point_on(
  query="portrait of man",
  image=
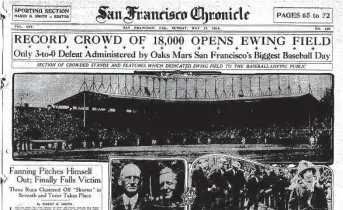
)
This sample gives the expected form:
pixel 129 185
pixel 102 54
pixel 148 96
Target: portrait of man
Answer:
pixel 130 181
pixel 147 183
pixel 200 183
pixel 254 186
pixel 236 179
pixel 216 175
pixel 168 183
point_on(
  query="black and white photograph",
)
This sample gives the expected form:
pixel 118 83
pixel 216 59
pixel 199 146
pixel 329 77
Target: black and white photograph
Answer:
pixel 267 118
pixel 138 184
pixel 225 182
pixel 171 105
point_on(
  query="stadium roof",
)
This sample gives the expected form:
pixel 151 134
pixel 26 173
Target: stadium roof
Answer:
pixel 103 100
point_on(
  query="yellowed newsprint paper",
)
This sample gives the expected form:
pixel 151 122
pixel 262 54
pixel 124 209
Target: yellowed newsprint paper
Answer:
pixel 174 104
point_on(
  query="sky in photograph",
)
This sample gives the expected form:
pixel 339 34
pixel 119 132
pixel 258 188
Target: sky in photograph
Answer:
pixel 40 90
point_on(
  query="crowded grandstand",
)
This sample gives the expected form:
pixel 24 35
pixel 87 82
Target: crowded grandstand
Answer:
pixel 181 109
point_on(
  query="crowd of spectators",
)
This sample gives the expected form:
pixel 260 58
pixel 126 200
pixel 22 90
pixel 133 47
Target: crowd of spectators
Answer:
pixel 57 124
pixel 212 177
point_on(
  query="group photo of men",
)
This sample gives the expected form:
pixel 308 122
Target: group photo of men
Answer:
pixel 223 182
pixel 147 184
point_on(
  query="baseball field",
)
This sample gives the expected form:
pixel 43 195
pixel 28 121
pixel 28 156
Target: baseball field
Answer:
pixel 266 153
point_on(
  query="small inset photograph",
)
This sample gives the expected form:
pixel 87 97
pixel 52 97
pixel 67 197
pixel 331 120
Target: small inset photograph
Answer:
pixel 145 184
pixel 224 182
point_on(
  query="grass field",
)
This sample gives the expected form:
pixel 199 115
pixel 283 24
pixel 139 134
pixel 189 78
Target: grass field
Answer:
pixel 255 152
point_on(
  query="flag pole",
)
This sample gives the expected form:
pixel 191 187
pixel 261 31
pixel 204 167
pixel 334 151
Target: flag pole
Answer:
pixel 84 109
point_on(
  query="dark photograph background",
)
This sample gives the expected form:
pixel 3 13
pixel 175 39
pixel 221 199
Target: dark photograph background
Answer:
pixel 150 172
pixel 269 118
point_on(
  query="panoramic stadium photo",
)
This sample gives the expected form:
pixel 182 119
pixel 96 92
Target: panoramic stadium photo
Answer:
pixel 270 118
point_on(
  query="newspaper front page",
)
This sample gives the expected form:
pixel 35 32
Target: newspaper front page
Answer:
pixel 175 104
